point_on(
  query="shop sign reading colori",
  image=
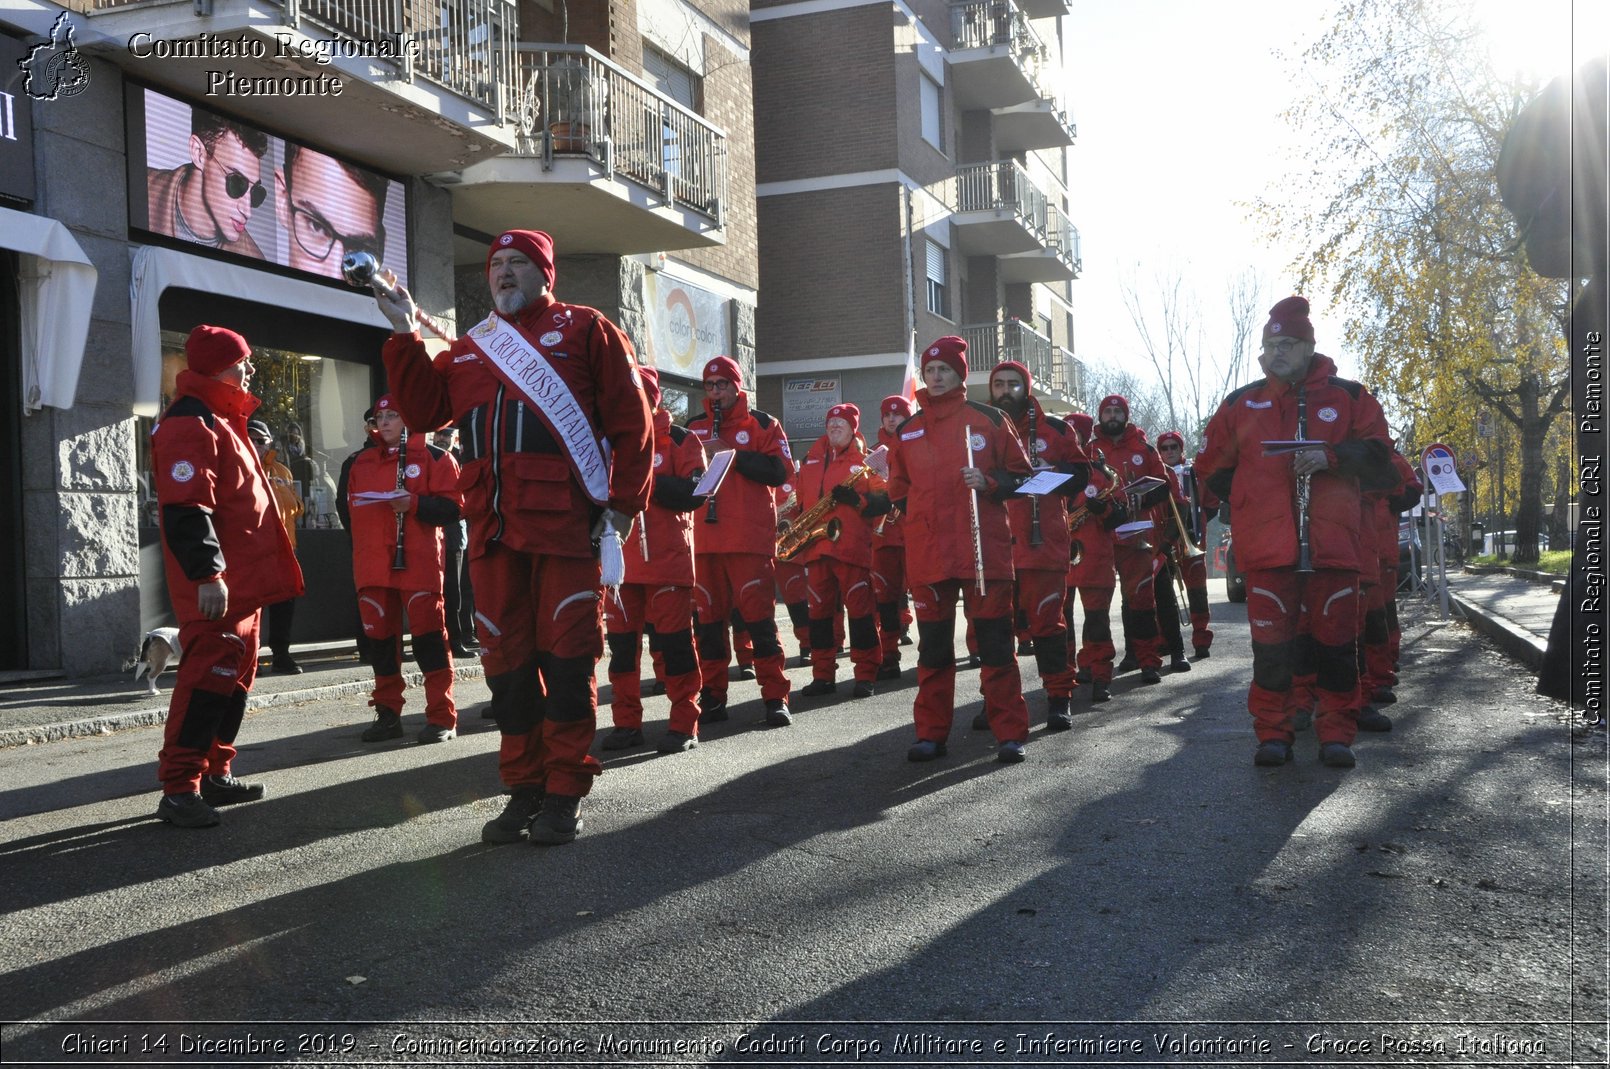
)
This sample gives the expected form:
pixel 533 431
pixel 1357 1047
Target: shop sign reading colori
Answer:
pixel 687 325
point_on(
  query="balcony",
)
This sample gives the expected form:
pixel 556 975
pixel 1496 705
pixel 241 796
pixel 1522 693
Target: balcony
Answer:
pixel 1055 259
pixel 997 210
pixel 1052 366
pixel 1045 9
pixel 423 88
pixel 1039 124
pixel 996 59
pixel 604 162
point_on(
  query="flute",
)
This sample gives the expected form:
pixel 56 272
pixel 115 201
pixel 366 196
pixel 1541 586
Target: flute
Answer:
pixel 715 433
pixel 972 500
pixel 1034 499
pixel 399 561
pixel 1305 561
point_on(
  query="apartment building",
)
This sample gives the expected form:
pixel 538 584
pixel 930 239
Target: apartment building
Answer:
pixel 424 127
pixel 911 163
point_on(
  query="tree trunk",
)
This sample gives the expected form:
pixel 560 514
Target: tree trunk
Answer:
pixel 1529 513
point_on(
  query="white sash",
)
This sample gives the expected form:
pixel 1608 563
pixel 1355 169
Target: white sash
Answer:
pixel 526 368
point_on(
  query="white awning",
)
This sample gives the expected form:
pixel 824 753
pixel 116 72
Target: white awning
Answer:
pixel 57 294
pixel 157 269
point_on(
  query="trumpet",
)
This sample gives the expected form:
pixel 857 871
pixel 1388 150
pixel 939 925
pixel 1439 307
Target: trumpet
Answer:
pixel 808 527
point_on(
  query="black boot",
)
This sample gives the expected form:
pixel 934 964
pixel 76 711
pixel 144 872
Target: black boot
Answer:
pixel 556 822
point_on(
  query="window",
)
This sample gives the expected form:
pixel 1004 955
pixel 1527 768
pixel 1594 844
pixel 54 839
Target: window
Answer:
pixel 938 280
pixel 670 77
pixel 933 130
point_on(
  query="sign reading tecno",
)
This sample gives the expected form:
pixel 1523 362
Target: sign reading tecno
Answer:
pixel 202 177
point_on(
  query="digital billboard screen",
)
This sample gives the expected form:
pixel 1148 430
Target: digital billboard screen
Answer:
pixel 215 181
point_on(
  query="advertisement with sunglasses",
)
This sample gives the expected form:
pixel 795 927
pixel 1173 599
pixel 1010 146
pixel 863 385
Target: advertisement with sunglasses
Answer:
pixel 208 179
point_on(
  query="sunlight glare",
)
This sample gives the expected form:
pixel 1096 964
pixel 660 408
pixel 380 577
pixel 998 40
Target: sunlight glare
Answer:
pixel 1544 38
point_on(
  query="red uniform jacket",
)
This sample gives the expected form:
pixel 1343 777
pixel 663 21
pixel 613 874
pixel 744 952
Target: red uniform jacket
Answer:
pixel 925 472
pixel 1093 539
pixel 218 511
pixel 518 486
pixel 746 511
pixel 1262 491
pixel 1132 457
pixel 819 473
pixel 887 531
pixel 1056 447
pixel 431 475
pixel 660 551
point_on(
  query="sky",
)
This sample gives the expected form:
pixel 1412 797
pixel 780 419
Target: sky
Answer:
pixel 1178 105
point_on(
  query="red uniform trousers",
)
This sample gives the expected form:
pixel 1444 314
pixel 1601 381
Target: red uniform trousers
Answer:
pixel 1303 632
pixel 747 582
pixel 833 582
pixel 216 668
pixel 1139 582
pixel 999 680
pixel 381 610
pixel 1041 595
pixel 666 613
pixel 795 591
pixel 889 590
pixel 538 620
pixel 1375 633
pixel 1196 598
pixel 1096 650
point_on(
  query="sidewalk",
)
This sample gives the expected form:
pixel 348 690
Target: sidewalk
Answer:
pixel 1514 612
pixel 69 708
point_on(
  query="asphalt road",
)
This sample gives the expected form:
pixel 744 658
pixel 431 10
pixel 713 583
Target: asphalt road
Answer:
pixel 1135 892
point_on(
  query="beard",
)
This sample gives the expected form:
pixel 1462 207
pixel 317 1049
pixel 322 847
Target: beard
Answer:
pixel 508 302
pixel 1016 407
pixel 1112 428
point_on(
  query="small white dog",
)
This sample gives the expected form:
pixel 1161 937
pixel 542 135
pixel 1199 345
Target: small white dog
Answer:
pixel 161 648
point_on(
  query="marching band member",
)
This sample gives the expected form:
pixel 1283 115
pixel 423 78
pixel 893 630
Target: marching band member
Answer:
pixel 1378 580
pixel 1195 503
pixel 955 463
pixel 1296 527
pixel 839 571
pixel 1409 496
pixel 1124 448
pixel 391 578
pixel 657 595
pixel 537 390
pixel 1040 537
pixel 735 541
pixel 1091 571
pixel 889 552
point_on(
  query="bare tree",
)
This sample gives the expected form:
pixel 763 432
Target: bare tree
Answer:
pixel 1147 406
pixel 1167 321
pixel 1245 297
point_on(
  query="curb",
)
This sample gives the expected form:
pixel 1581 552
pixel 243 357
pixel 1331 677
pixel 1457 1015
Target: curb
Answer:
pixel 106 725
pixel 1513 639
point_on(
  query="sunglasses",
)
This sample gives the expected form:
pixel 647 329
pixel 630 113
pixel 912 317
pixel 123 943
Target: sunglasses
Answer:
pixel 236 185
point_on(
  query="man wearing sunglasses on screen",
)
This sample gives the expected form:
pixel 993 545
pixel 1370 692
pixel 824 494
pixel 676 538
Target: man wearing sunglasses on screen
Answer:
pixel 210 199
pixel 329 209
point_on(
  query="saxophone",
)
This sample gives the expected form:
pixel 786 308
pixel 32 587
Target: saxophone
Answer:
pixel 808 526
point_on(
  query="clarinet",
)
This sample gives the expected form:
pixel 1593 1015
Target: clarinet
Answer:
pixel 399 562
pixel 715 433
pixel 1034 499
pixel 1305 562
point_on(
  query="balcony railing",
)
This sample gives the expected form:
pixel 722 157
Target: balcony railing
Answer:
pixel 1003 184
pixel 466 46
pixel 1062 237
pixel 573 102
pixel 990 343
pixel 991 23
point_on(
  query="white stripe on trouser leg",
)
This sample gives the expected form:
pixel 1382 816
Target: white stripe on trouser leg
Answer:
pixel 1270 594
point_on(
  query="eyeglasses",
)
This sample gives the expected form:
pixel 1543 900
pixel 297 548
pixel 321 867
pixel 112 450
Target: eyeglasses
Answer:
pixel 317 237
pixel 1285 345
pixel 236 185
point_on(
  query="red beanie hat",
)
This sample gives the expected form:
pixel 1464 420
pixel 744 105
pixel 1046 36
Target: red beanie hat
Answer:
pixel 211 350
pixel 949 350
pixel 387 403
pixel 1114 400
pixel 1084 423
pixel 847 412
pixel 1289 319
pixel 651 384
pixel 1171 436
pixel 1013 365
pixel 534 243
pixel 897 404
pixel 725 367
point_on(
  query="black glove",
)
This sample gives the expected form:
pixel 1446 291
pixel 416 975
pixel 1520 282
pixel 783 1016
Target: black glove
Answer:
pixel 846 495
